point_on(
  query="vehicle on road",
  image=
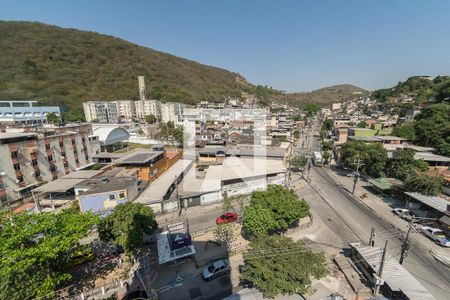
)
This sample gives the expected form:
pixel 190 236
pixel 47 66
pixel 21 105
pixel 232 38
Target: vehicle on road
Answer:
pixel 317 159
pixel 403 213
pixel 226 218
pixel 437 235
pixel 216 269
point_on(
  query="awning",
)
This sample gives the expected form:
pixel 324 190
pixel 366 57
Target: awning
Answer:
pixel 438 203
pixel 25 187
pixel 384 183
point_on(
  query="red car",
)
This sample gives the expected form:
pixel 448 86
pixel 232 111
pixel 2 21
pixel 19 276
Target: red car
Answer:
pixel 226 218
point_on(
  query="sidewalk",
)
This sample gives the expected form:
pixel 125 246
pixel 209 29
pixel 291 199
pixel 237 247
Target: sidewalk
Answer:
pixel 384 210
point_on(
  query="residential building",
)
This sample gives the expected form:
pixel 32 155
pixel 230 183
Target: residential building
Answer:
pixel 25 112
pixel 126 109
pixel 172 112
pixel 102 194
pixel 410 115
pixel 101 111
pixel 39 155
pixel 147 107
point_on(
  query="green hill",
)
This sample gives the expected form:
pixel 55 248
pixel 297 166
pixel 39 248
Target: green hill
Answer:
pixel 69 66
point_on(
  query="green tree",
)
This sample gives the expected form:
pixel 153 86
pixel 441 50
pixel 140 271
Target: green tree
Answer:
pixel 403 163
pixel 311 109
pixel 362 124
pixel 298 161
pixel 52 118
pixel 150 119
pixel 425 184
pixel 326 157
pixel 283 204
pixel 34 250
pixel 433 125
pixel 328 125
pixel 127 225
pixel 327 146
pixel 226 233
pixel 178 135
pixel 278 265
pixel 406 131
pixel 296 133
pixel 258 220
pixel 373 156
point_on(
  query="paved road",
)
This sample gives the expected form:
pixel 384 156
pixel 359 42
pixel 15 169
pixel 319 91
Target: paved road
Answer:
pixel 352 222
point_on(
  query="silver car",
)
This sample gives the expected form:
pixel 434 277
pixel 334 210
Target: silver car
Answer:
pixel 215 269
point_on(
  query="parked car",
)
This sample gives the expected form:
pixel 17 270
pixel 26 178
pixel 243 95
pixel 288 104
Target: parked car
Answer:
pixel 216 269
pixel 403 213
pixel 226 218
pixel 436 235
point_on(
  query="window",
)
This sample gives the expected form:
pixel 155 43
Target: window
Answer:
pixel 3 199
pixel 112 197
pixel 47 146
pixel 50 158
pixel 34 162
pixel 83 139
pixel 53 168
pixel 73 142
pixel 14 154
pixel 16 167
pixel 61 144
pixel 2 186
pixel 75 152
pixel 37 174
pixel 77 161
pixel 66 164
pixel 19 179
pixel 121 195
pixel 55 177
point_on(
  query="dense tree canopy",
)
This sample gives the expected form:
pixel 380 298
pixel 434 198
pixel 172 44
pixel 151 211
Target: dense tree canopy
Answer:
pixel 372 155
pixel 403 163
pixel 277 206
pixel 405 131
pixel 430 185
pixel 35 248
pixel 127 224
pixel 298 161
pixel 150 119
pixel 278 265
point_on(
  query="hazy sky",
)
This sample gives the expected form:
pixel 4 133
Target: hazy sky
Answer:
pixel 291 45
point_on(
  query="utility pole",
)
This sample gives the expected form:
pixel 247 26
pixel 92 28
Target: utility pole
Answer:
pixel 380 272
pixel 355 181
pixel 372 235
pixel 406 244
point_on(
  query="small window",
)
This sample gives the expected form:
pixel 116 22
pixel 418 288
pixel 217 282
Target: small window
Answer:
pixel 20 179
pixel 50 158
pixel 121 195
pixel 34 162
pixel 77 161
pixel 47 146
pixel 112 197
pixel 66 164
pixel 14 154
pixel 16 167
pixel 61 144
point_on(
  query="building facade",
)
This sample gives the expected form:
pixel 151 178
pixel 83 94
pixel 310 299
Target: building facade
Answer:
pixel 25 112
pixel 172 112
pixel 44 154
pixel 101 111
pixel 126 109
pixel 148 107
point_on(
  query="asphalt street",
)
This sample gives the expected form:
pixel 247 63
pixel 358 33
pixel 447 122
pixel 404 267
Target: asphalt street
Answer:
pixel 352 221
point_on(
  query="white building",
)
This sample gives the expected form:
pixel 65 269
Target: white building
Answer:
pixel 126 109
pixel 25 112
pixel 101 111
pixel 172 112
pixel 147 107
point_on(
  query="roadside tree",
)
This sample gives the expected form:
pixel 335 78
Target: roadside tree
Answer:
pixel 278 265
pixel 298 162
pixel 425 184
pixel 35 250
pixel 127 225
pixel 226 233
pixel 150 119
pixel 403 163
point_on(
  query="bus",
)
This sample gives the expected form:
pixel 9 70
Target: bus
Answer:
pixel 317 159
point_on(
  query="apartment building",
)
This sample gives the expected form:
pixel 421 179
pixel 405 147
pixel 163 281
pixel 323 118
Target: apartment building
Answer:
pixel 172 112
pixel 36 155
pixel 126 109
pixel 101 111
pixel 147 107
pixel 25 112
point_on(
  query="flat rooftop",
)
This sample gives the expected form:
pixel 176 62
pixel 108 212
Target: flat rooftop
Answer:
pixel 12 135
pixel 106 184
pixel 139 157
pixel 66 182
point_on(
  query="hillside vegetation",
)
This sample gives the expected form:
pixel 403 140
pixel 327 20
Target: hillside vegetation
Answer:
pixel 69 66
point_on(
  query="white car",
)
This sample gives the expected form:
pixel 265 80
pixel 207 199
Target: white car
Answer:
pixel 215 269
pixel 436 235
pixel 403 213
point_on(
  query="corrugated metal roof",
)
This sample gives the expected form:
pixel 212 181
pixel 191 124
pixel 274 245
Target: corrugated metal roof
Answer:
pixel 394 274
pixel 437 203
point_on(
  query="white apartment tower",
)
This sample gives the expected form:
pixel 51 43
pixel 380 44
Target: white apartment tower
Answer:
pixel 126 109
pixel 101 111
pixel 172 112
pixel 142 90
pixel 148 107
